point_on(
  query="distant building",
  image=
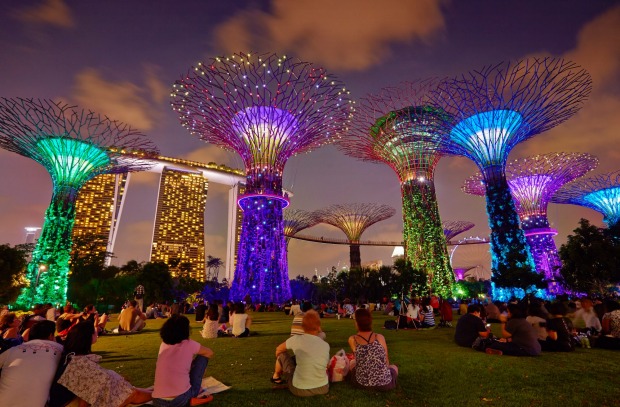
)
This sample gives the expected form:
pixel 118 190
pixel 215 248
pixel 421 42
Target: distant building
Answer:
pixel 31 234
pixel 98 210
pixel 235 220
pixel 178 235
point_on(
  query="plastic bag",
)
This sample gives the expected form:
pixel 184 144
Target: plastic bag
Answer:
pixel 338 366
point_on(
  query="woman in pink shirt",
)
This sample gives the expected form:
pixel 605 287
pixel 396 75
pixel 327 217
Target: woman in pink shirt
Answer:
pixel 178 374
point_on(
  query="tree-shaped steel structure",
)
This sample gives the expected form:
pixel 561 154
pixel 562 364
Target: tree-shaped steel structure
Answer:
pixel 533 181
pixel 74 146
pixel 491 111
pixel 400 127
pixel 353 219
pixel 266 108
pixel 296 220
pixel 453 228
pixel 600 192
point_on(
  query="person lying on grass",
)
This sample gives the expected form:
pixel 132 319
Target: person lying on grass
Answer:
pixel 372 366
pixel 308 367
pixel 178 374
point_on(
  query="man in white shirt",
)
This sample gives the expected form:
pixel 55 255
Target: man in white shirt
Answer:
pixel 28 369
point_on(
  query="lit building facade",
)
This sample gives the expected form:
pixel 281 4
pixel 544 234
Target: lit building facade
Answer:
pixel 235 220
pixel 178 234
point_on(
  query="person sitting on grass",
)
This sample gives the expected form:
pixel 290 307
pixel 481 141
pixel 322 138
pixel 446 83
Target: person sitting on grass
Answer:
pixel 91 314
pixel 178 374
pixel 240 321
pixel 9 329
pixel 296 328
pixel 210 329
pixel 372 366
pixel 307 368
pixel 131 319
pixel 610 336
pixel 469 327
pixel 559 330
pixel 587 318
pixel 427 315
pixel 519 337
pixel 80 376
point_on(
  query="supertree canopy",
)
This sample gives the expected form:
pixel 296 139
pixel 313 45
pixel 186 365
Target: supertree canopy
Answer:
pixel 296 220
pixel 533 181
pixel 353 219
pixel 453 228
pixel 400 127
pixel 266 108
pixel 600 192
pixel 491 111
pixel 74 146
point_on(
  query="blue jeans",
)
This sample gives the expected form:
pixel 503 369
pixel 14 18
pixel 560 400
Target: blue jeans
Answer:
pixel 199 366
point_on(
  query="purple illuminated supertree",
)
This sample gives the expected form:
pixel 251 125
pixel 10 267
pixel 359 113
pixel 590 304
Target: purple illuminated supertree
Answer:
pixel 533 181
pixel 600 192
pixel 400 128
pixel 296 220
pixel 353 219
pixel 491 111
pixel 453 228
pixel 267 109
pixel 74 146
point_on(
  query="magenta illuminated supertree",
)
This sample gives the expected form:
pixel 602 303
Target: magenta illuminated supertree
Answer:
pixel 400 128
pixel 453 228
pixel 267 109
pixel 533 181
pixel 74 146
pixel 490 112
pixel 296 220
pixel 353 219
pixel 600 192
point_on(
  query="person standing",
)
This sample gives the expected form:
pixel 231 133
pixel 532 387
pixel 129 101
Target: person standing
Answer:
pixel 138 295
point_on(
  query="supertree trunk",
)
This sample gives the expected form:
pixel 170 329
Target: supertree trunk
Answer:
pixel 49 268
pixel 509 247
pixel 355 257
pixel 425 242
pixel 539 237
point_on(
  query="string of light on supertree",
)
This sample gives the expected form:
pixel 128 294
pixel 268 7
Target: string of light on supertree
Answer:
pixel 296 220
pixel 533 181
pixel 267 109
pixel 453 228
pixel 600 192
pixel 494 109
pixel 74 146
pixel 353 219
pixel 399 127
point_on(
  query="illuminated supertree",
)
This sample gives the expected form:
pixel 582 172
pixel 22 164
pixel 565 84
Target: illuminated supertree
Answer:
pixel 491 111
pixel 600 192
pixel 296 220
pixel 400 128
pixel 353 219
pixel 453 228
pixel 533 181
pixel 267 109
pixel 74 146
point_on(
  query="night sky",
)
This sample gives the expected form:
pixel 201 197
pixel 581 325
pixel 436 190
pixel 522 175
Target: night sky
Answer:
pixel 120 58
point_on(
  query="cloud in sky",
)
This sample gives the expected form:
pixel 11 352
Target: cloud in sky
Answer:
pixel 49 12
pixel 123 100
pixel 320 30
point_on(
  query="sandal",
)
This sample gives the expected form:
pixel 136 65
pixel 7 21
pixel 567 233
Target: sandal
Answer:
pixel 278 380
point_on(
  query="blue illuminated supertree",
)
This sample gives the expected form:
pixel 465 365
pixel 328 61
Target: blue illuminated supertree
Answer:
pixel 491 111
pixel 267 109
pixel 533 181
pixel 74 146
pixel 353 219
pixel 296 220
pixel 399 127
pixel 600 192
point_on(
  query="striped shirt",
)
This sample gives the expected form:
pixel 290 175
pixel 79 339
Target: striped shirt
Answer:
pixel 429 317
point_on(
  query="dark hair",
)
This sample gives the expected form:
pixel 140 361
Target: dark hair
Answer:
pixel 212 313
pixel 363 319
pixel 471 308
pixel 7 320
pixel 133 303
pixel 516 311
pixel 306 306
pixel 239 308
pixel 89 308
pixel 557 308
pixel 42 330
pixel 80 338
pixel 175 330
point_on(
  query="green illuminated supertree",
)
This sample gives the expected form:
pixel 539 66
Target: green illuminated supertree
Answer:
pixel 296 220
pixel 400 128
pixel 74 146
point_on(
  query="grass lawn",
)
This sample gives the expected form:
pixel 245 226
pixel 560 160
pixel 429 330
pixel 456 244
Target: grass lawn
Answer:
pixel 433 370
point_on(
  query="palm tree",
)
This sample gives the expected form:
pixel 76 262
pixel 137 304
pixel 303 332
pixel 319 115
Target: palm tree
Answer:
pixel 213 267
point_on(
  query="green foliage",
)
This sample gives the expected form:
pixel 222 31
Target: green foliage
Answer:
pixel 590 258
pixel 407 281
pixel 157 281
pixel 469 289
pixel 12 272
